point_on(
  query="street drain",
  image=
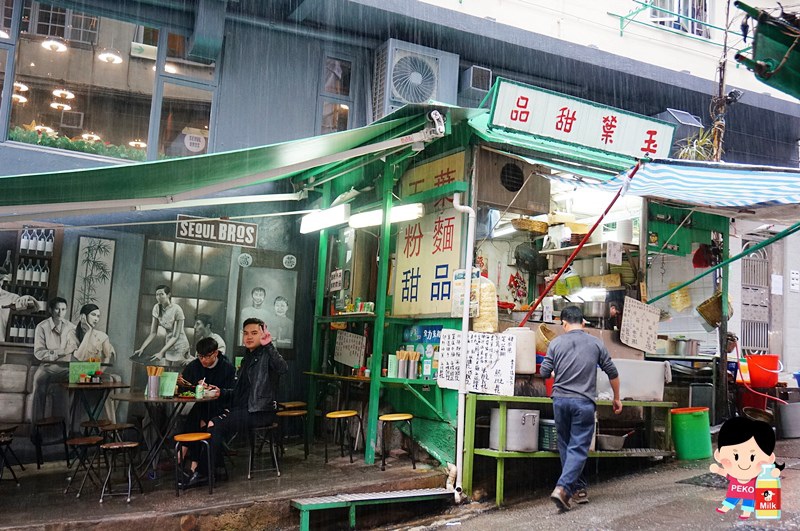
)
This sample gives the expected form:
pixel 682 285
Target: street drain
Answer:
pixel 707 480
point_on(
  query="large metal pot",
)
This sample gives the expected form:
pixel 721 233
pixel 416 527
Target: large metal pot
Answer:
pixel 595 309
pixel 522 430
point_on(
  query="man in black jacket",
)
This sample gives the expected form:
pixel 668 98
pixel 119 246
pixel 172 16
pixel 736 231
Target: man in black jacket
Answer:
pixel 214 369
pixel 253 399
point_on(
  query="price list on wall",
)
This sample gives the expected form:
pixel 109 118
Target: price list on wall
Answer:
pixel 490 363
pixel 639 325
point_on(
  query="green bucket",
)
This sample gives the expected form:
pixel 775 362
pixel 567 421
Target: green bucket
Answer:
pixel 691 433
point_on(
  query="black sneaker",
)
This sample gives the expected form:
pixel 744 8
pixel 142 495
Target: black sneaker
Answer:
pixel 193 480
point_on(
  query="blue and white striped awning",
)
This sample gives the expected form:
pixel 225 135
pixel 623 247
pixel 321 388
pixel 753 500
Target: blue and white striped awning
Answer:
pixel 709 184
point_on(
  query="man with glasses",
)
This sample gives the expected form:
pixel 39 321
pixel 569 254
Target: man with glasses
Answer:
pixel 574 357
pixel 213 368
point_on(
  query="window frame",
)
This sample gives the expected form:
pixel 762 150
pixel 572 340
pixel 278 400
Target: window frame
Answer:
pixel 329 97
pixel 69 26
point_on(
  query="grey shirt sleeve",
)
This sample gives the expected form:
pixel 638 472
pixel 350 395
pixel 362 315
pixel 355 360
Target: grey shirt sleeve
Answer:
pixel 606 364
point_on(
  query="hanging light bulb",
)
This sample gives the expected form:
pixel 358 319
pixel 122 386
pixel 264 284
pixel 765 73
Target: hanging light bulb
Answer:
pixel 55 44
pixel 22 87
pixel 60 106
pixel 137 144
pixel 110 55
pixel 19 98
pixel 63 93
pixel 90 137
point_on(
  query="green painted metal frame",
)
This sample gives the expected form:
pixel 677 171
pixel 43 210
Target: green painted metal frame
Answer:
pixel 306 508
pixel 501 455
pixel 625 20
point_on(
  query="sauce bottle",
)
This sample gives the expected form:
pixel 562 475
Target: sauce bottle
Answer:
pixel 768 495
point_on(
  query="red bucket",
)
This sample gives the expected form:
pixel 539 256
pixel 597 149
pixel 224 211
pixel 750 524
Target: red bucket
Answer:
pixel 764 369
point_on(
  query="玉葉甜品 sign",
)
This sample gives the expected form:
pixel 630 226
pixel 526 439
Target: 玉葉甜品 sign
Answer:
pixel 216 231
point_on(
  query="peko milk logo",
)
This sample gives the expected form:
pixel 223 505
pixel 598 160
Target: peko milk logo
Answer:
pixel 746 458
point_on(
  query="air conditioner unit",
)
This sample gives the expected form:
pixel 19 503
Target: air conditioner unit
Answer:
pixel 475 82
pixel 408 73
pixel 499 177
pixel 72 119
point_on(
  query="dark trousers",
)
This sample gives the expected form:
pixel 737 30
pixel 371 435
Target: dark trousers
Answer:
pixel 237 420
pixel 575 427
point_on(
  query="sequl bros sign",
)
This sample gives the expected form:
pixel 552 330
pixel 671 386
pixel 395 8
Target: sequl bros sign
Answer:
pixel 216 231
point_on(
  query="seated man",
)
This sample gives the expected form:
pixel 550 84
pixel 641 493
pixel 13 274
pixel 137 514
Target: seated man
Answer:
pixel 252 399
pixel 54 341
pixel 213 368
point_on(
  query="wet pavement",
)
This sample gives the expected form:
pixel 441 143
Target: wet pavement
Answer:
pixel 260 503
pixel 630 499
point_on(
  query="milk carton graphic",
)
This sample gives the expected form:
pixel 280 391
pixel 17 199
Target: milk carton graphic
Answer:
pixel 768 495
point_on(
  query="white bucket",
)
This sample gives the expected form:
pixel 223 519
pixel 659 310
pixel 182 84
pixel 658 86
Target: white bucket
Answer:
pixel 526 349
pixel 522 430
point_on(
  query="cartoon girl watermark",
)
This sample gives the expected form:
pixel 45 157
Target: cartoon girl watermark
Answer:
pixel 743 446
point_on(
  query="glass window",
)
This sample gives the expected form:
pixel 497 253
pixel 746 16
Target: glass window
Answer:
pixel 185 115
pixel 336 97
pixel 335 116
pixel 51 21
pixel 6 10
pixel 178 63
pixel 91 99
pixel 337 76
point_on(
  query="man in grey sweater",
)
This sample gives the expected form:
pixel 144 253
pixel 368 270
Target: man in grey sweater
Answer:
pixel 574 357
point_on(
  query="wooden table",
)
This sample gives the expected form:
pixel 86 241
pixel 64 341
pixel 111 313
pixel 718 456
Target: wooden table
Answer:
pixel 174 406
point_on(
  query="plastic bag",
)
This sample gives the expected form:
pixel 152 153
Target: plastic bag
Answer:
pixel 486 321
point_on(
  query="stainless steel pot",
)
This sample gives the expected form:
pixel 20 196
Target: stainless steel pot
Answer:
pixel 595 309
pixel 522 430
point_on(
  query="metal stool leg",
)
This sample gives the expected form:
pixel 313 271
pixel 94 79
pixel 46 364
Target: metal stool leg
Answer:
pixel 273 449
pixel 383 445
pixel 88 471
pixel 177 468
pixel 305 439
pixel 210 462
pixel 37 442
pixel 411 434
pixel 128 458
pixel 251 435
pixel 325 438
pixel 11 451
pixel 110 467
pixel 64 438
pixel 5 464
pixel 349 438
pixel 339 423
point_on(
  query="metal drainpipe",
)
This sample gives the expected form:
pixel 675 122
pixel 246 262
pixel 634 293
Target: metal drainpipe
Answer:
pixel 462 384
pixel 294 29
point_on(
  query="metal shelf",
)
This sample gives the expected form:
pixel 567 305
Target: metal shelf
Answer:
pixel 625 452
pixel 590 249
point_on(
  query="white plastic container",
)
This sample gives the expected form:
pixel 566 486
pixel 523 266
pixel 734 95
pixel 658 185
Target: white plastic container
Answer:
pixel 638 380
pixel 522 430
pixel 526 349
pixel 790 420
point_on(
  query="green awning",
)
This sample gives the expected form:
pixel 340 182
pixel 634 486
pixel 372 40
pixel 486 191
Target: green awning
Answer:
pixel 175 179
pixel 559 155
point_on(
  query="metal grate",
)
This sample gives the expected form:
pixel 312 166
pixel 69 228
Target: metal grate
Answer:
pixel 755 303
pixel 371 496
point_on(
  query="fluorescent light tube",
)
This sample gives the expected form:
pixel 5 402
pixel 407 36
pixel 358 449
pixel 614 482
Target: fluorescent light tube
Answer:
pixel 398 214
pixel 325 218
pixel 508 229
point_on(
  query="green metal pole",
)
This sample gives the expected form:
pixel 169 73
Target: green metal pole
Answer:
pixel 315 364
pixel 784 233
pixel 380 316
pixel 469 443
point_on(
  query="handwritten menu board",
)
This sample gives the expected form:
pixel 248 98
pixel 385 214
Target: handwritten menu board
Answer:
pixel 489 366
pixel 349 349
pixel 639 325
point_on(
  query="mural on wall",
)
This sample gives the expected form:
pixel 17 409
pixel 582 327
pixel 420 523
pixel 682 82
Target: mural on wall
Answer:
pixel 268 291
pixel 93 276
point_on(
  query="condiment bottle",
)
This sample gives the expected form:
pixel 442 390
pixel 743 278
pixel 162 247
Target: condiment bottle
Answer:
pixel 199 391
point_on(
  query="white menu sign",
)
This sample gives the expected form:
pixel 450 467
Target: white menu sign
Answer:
pixel 349 349
pixel 490 362
pixel 544 113
pixel 639 325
